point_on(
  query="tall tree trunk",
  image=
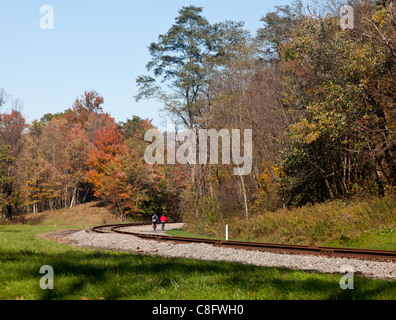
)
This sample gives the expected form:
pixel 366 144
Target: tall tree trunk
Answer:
pixel 74 198
pixel 9 212
pixel 244 195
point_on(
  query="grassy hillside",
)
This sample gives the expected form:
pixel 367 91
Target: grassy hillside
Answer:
pixel 369 223
pixel 89 214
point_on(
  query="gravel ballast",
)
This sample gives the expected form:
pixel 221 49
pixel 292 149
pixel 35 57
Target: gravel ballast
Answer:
pixel 120 242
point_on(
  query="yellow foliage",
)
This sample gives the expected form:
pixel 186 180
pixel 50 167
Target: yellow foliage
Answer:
pixel 268 180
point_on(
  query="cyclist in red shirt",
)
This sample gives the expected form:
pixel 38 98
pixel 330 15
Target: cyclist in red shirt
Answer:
pixel 163 219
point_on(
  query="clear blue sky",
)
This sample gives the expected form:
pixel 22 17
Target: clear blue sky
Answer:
pixel 95 45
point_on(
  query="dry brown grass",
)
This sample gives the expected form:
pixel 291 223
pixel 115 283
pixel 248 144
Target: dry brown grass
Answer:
pixel 88 214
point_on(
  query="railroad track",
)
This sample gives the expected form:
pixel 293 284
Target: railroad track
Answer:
pixel 355 253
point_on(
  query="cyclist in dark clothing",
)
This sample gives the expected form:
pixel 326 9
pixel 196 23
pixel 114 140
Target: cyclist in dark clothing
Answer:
pixel 154 219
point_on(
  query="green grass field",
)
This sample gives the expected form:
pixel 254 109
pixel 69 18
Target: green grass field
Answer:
pixel 96 275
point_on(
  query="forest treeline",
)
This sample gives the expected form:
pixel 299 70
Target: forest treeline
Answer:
pixel 320 101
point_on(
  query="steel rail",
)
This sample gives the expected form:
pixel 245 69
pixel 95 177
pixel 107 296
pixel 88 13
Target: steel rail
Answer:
pixel 355 253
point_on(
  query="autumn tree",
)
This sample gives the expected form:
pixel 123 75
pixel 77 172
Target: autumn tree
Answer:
pixel 186 63
pixel 178 61
pixel 104 166
pixel 88 103
pixel 12 126
pixel 278 27
pixel 78 147
pixel 119 173
pixel 7 195
pixel 339 80
pixel 53 165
